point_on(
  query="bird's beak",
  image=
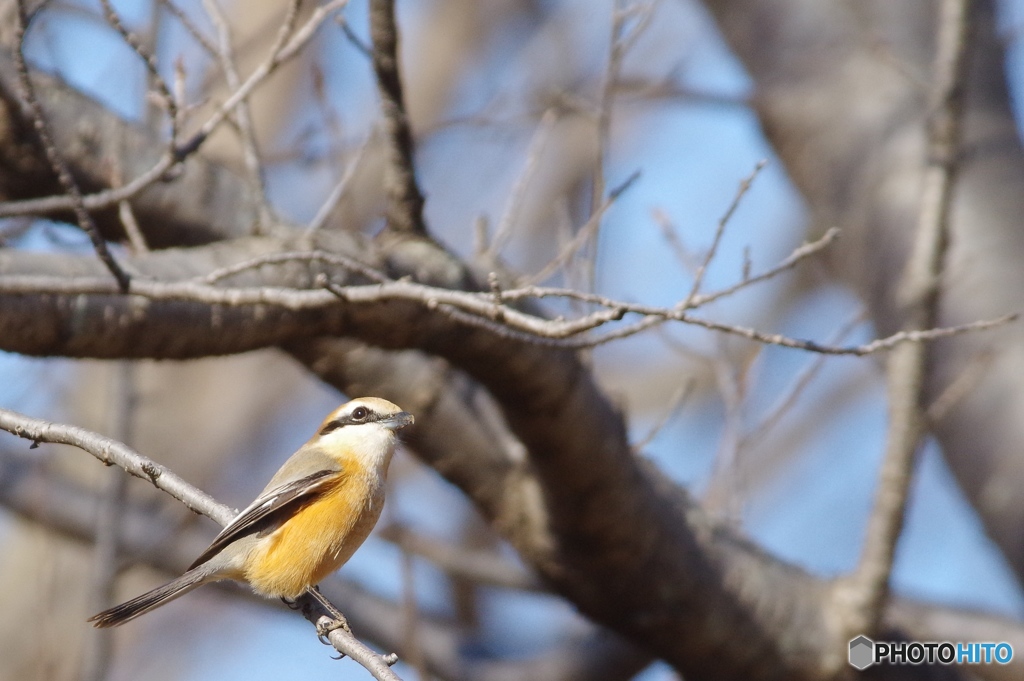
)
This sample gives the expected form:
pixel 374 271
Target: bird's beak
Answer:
pixel 398 421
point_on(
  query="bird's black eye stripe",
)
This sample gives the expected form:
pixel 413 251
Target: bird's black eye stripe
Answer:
pixel 359 415
pixel 333 425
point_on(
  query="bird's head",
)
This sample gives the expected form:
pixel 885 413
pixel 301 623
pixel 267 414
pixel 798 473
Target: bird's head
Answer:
pixel 365 428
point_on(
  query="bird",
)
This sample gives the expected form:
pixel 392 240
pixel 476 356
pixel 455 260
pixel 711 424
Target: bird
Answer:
pixel 307 522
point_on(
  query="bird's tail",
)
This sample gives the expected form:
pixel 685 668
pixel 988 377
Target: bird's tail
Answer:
pixel 140 605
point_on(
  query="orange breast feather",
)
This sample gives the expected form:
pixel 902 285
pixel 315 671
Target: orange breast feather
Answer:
pixel 316 541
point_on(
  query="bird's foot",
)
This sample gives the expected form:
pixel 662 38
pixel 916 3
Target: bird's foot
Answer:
pixel 325 625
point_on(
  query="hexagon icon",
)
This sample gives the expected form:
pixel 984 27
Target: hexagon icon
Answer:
pixel 862 652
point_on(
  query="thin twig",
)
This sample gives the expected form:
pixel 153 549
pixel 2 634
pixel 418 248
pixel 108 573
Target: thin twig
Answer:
pixel 276 57
pixel 785 401
pixel 327 209
pixel 356 41
pixel 147 57
pixel 243 117
pixel 517 197
pixel 136 239
pixel 741 191
pixel 112 452
pixel 799 253
pixel 102 199
pixel 583 235
pixel 190 27
pixel 56 161
pixel 864 594
pixel 296 256
pixel 131 228
pixel 899 338
pixel 558 336
pixel 670 410
pixel 669 89
pixel 619 43
pixel 110 197
pixel 668 229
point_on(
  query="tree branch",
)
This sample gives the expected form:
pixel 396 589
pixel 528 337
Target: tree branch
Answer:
pixel 112 452
pixel 813 104
pixel 404 198
pixel 864 595
pixel 278 297
pixel 67 182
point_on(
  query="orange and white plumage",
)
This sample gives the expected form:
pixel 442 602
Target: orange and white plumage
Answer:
pixel 308 521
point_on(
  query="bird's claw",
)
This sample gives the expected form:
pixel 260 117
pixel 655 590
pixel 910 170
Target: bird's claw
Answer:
pixel 325 625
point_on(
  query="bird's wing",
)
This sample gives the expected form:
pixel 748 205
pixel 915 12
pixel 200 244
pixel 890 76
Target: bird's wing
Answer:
pixel 271 501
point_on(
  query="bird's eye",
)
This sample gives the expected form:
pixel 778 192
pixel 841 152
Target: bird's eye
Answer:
pixel 360 413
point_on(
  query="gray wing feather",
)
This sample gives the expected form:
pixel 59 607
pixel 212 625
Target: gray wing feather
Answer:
pixel 270 501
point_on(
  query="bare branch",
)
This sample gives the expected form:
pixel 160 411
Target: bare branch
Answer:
pixel 517 196
pixel 281 52
pixel 247 133
pixel 583 235
pixel 864 594
pixel 325 211
pixel 698 278
pixel 619 43
pixel 111 197
pixel 168 99
pixel 881 344
pixel 800 253
pixel 288 293
pixel 671 409
pixel 102 199
pixel 131 227
pixel 297 256
pixel 354 39
pixel 405 200
pixel 189 26
pixel 136 239
pixel 112 452
pixel 74 194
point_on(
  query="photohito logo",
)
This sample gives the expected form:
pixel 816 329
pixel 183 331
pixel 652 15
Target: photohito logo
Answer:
pixel 864 652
